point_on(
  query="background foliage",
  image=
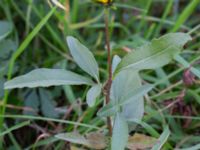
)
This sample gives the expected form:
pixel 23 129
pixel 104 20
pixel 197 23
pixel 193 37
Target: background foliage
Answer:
pixel 132 24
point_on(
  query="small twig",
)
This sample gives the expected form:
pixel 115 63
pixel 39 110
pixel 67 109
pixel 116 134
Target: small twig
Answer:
pixel 170 105
pixel 69 110
pixel 38 128
pixel 80 119
pixel 168 89
pixel 19 108
pixel 42 136
pixel 179 98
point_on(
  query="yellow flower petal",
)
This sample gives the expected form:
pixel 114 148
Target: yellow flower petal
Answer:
pixel 104 1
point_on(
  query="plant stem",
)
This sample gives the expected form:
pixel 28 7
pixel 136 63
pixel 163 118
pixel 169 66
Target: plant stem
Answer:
pixel 109 82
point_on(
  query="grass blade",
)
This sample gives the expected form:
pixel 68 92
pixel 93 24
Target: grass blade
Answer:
pixel 49 119
pixel 15 128
pixel 162 139
pixel 185 14
pixel 186 64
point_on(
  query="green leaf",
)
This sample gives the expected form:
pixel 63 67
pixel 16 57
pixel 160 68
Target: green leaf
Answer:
pixel 124 84
pixel 162 139
pixel 47 77
pixel 116 60
pixel 31 101
pixel 131 96
pixel 194 94
pixel 47 106
pixel 1 87
pixel 92 94
pixel 83 57
pixel 135 94
pixel 126 81
pixel 5 29
pixel 134 109
pixel 120 133
pixel 6 48
pixel 156 54
pixel 108 110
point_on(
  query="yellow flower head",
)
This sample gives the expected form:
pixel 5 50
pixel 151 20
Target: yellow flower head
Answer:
pixel 105 2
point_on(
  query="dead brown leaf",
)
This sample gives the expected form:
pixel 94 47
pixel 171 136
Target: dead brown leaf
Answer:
pixel 140 142
pixel 97 140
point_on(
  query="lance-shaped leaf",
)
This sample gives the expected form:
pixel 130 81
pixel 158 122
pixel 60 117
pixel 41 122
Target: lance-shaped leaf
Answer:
pixel 6 48
pixel 92 94
pixel 5 29
pixel 32 101
pixel 120 133
pixel 131 96
pixel 47 77
pixel 83 57
pixel 125 81
pixel 156 54
pixel 1 87
pixel 47 105
pixel 134 109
